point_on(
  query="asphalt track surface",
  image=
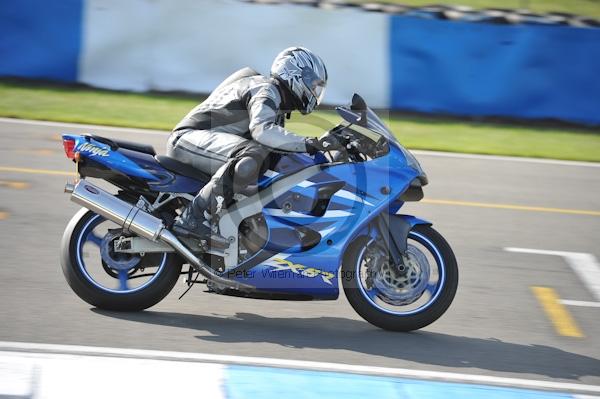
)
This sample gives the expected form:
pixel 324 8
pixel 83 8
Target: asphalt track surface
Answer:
pixel 497 326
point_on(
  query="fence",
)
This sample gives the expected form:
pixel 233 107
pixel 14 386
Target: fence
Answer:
pixel 394 61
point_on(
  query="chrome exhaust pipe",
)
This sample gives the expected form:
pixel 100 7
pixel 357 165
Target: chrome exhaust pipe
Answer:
pixel 132 218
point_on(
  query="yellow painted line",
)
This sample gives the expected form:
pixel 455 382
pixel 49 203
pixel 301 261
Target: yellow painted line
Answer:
pixel 36 171
pixel 563 322
pixel 512 207
pixel 426 201
pixel 3 215
pixel 41 151
pixel 17 185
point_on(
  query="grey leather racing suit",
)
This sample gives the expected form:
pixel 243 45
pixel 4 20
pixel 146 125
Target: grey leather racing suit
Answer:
pixel 234 135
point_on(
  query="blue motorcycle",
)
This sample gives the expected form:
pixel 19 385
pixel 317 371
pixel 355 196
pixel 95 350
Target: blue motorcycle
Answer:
pixel 309 224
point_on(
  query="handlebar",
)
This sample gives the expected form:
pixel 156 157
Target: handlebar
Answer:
pixel 358 147
pixel 353 146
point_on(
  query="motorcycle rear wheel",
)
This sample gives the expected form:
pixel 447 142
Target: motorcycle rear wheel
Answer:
pixel 123 297
pixel 435 298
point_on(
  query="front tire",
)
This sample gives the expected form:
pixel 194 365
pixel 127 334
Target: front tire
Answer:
pixel 366 302
pixel 82 280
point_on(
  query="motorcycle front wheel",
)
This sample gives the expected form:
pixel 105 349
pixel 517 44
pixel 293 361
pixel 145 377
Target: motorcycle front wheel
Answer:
pixel 109 280
pixel 403 297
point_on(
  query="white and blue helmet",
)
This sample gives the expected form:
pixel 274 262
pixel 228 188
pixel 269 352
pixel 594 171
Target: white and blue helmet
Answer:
pixel 304 74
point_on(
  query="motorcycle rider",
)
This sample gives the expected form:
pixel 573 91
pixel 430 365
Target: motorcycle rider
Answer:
pixel 238 131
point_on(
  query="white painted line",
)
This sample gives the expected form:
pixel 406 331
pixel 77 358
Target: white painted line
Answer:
pixel 584 265
pixel 84 126
pixel 297 364
pixel 586 304
pixel 16 378
pixel 506 158
pixel 66 376
pixel 418 152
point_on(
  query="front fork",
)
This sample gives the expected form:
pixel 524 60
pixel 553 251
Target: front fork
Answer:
pixel 393 231
pixel 390 241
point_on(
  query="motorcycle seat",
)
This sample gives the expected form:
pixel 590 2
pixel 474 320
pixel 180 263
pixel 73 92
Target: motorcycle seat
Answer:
pixel 181 168
pixel 128 145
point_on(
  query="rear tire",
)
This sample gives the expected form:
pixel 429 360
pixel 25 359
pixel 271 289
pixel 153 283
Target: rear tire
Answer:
pixel 141 299
pixel 397 322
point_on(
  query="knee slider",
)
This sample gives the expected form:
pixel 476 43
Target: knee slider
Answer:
pixel 246 169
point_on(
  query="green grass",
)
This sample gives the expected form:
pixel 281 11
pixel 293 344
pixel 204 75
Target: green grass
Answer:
pixel 66 104
pixel 588 8
pixel 83 105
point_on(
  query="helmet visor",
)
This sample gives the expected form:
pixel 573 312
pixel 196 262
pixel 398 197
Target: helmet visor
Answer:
pixel 319 92
pixel 314 84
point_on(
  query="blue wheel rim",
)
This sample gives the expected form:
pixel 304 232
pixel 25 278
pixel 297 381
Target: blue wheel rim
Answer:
pixel 437 288
pixel 86 235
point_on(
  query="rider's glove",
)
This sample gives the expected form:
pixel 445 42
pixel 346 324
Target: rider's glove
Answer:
pixel 326 143
pixel 312 145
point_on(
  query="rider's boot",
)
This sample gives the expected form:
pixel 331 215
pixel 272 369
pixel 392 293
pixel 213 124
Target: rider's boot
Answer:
pixel 201 214
pixel 196 222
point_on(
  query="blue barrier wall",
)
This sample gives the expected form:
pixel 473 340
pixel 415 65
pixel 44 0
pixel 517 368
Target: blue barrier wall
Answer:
pixel 526 71
pixel 40 39
pixel 410 63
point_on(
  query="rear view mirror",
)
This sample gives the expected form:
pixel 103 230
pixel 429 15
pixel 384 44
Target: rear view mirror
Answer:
pixel 357 113
pixel 358 103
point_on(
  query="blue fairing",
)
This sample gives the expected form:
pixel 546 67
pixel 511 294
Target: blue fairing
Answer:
pixel 306 241
pixel 287 165
pixel 363 196
pixel 164 180
pixel 134 164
